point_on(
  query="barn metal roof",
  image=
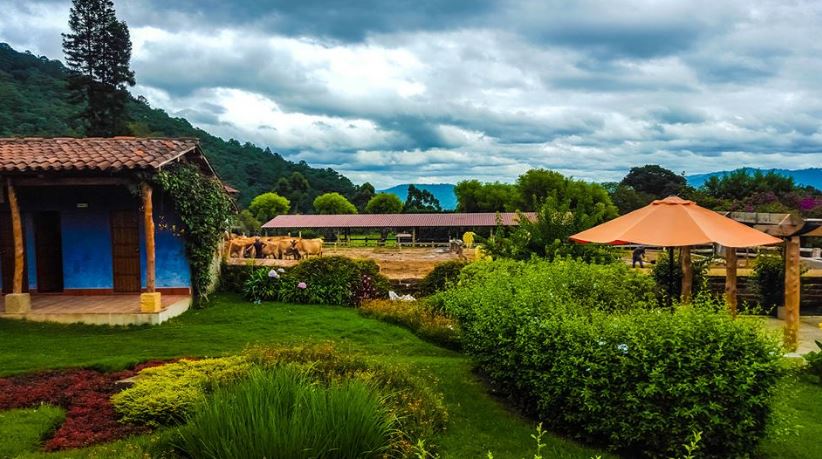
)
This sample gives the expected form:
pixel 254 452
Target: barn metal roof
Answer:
pixel 395 220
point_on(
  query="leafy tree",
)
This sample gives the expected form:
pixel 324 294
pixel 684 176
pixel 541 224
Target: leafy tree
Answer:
pixel 420 200
pixel 536 185
pixel 362 195
pixel 740 184
pixel 654 180
pixel 384 203
pixel 248 223
pixel 626 198
pixel 572 207
pixel 268 205
pixel 333 203
pixel 474 196
pixel 98 51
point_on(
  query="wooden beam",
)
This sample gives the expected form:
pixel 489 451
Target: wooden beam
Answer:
pixel 148 213
pixel 17 231
pixel 687 273
pixel 70 181
pixel 730 279
pixel 791 292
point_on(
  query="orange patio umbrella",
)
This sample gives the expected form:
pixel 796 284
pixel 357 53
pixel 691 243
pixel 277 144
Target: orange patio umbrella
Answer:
pixel 676 222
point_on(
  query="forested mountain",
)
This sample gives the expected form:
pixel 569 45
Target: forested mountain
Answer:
pixel 34 102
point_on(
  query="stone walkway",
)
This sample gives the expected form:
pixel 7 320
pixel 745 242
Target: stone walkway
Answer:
pixel 809 331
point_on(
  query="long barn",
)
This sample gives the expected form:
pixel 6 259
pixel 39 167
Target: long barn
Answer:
pixel 429 227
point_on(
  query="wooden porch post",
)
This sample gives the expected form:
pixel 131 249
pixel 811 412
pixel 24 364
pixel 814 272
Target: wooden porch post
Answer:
pixel 17 301
pixel 151 300
pixel 730 279
pixel 687 273
pixel 791 292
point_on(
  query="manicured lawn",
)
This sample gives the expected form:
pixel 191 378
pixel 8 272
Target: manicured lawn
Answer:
pixel 22 430
pixel 477 423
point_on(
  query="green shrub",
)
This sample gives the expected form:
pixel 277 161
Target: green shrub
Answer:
pixel 282 413
pixel 163 395
pixel 419 317
pixel 814 360
pixel 661 273
pixel 321 280
pixel 419 411
pixel 442 275
pixel 233 277
pixel 769 280
pixel 596 367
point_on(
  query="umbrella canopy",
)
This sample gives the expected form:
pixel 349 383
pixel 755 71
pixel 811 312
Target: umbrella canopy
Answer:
pixel 675 222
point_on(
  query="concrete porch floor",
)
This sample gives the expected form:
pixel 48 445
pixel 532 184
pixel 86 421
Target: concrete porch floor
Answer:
pixel 100 309
pixel 809 332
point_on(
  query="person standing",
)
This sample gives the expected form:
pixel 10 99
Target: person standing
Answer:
pixel 636 256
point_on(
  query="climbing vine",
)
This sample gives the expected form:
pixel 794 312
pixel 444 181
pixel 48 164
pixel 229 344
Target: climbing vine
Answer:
pixel 204 210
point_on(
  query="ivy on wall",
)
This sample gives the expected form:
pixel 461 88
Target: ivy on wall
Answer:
pixel 204 210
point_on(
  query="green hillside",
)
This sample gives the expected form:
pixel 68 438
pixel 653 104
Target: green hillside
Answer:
pixel 34 102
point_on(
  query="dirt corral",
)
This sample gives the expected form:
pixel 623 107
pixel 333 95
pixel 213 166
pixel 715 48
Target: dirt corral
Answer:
pixel 405 263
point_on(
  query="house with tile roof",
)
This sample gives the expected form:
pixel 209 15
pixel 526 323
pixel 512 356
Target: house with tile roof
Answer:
pixel 84 237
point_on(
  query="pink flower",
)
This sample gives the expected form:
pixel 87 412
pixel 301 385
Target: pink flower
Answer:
pixel 301 285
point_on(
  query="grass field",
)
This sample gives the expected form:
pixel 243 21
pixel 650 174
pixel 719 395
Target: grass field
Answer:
pixel 477 422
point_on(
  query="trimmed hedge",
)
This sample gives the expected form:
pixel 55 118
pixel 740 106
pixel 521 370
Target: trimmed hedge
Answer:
pixel 599 365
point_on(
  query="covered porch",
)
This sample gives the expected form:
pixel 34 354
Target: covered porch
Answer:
pixel 123 309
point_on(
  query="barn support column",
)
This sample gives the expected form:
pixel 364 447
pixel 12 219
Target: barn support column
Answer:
pixel 150 301
pixel 791 292
pixel 17 302
pixel 730 279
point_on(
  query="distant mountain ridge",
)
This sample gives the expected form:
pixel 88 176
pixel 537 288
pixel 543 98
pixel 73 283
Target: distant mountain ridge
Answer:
pixel 807 177
pixel 444 192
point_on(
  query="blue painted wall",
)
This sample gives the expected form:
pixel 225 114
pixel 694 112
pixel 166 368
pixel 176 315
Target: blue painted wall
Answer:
pixel 86 235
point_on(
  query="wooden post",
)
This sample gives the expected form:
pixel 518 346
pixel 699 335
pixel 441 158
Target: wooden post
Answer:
pixel 17 302
pixel 687 273
pixel 791 292
pixel 151 300
pixel 148 213
pixel 17 231
pixel 730 279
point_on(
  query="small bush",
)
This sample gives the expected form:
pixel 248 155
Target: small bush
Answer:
pixel 593 365
pixel 281 412
pixel 442 275
pixel 419 411
pixel 662 272
pixel 814 360
pixel 234 277
pixel 769 280
pixel 164 395
pixel 321 280
pixel 419 317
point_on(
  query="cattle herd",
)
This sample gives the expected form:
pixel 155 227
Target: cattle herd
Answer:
pixel 279 247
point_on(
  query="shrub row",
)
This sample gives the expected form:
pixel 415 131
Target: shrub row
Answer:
pixel 323 280
pixel 417 316
pixel 580 347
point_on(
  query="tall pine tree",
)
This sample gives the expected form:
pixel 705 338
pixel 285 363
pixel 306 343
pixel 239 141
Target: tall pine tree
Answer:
pixel 98 51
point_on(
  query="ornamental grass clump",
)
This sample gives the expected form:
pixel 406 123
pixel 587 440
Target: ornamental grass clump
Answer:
pixel 282 413
pixel 604 366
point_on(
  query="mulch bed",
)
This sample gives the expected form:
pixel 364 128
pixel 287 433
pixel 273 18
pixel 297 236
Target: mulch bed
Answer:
pixel 86 397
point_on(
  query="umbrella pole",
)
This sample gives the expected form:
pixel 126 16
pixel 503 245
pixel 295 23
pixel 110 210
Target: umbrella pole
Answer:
pixel 670 276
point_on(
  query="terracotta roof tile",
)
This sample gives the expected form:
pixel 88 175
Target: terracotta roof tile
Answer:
pixel 89 154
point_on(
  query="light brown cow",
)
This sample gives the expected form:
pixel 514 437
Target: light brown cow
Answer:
pixel 239 246
pixel 309 247
pixel 288 247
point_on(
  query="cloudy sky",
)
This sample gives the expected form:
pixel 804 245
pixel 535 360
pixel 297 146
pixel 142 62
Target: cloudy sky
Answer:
pixel 436 91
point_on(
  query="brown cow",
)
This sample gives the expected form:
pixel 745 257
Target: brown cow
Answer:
pixel 288 247
pixel 310 247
